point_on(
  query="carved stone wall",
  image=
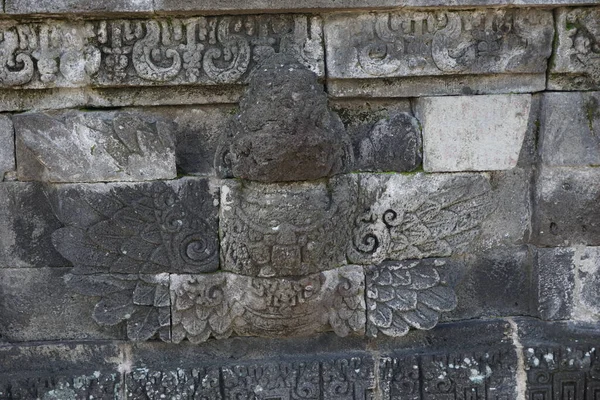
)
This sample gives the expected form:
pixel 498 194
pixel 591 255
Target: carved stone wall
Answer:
pixel 300 200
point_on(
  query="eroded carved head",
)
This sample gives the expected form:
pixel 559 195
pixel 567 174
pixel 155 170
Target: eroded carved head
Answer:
pixel 284 131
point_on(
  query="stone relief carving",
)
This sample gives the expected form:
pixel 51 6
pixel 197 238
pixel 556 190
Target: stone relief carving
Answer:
pixel 284 132
pixel 406 294
pixel 433 215
pixel 220 304
pixel 285 230
pixel 197 50
pixel 578 51
pixel 439 42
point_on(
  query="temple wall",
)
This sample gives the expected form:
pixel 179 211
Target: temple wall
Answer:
pixel 316 199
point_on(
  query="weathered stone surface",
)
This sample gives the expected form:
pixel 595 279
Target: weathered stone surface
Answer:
pixel 36 304
pixel 451 85
pixel 570 129
pixel 76 146
pixel 60 371
pixel 568 280
pixel 494 283
pixel 284 131
pixel 561 359
pixel 221 304
pixel 75 6
pixel 26 225
pixel 407 294
pixel 576 65
pixel 286 229
pixel 418 216
pixel 566 207
pixel 147 228
pixel 415 43
pixel 555 278
pixel 7 146
pixel 107 53
pixel 472 133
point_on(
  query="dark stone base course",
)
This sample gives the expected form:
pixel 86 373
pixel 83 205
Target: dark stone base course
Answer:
pixel 474 360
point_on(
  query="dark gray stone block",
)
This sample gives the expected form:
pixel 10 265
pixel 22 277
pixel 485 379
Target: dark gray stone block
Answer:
pixel 7 146
pixel 570 129
pixel 555 278
pixel 149 228
pixel 284 131
pixel 27 221
pixel 290 229
pixel 408 294
pixel 36 304
pixel 566 207
pixel 75 146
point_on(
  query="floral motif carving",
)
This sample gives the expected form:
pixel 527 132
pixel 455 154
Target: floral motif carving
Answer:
pixel 220 304
pixel 199 50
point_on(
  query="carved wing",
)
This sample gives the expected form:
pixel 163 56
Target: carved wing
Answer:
pixel 401 295
pixel 200 308
pixel 141 300
pixel 134 229
pixel 441 224
pixel 348 312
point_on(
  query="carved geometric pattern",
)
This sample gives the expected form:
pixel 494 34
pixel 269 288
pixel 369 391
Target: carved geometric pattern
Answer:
pixel 174 51
pixel 563 373
pixel 406 294
pixel 221 304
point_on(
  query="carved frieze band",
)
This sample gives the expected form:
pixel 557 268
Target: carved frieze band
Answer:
pixel 175 51
pixel 438 43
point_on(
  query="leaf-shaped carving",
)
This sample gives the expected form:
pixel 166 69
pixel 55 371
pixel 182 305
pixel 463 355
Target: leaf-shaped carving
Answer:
pixel 143 324
pixel 394 305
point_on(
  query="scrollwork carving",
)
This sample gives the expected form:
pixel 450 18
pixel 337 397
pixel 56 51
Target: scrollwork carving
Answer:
pixel 149 48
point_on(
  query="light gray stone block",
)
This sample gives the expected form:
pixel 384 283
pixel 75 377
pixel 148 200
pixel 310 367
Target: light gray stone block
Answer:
pixel 587 278
pixel 566 208
pixel 285 229
pixel 35 304
pixel 418 215
pixel 7 145
pixel 576 65
pixel 570 129
pixel 472 133
pixel 224 303
pixel 78 146
pixel 76 6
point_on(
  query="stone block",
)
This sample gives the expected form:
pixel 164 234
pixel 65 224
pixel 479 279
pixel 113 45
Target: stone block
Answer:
pixel 494 283
pixel 441 85
pixel 147 228
pixel 77 146
pixel 426 43
pixel 570 129
pixel 36 304
pixel 75 6
pixel 114 52
pixel 576 64
pixel 7 146
pixel 285 131
pixel 587 307
pixel 286 229
pixel 472 133
pixel 54 371
pixel 407 294
pixel 221 304
pixel 566 207
pixel 418 215
pixel 385 136
pixel 27 221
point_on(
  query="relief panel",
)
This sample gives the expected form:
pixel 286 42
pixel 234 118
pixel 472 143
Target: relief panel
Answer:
pixel 411 43
pixel 220 304
pixel 175 51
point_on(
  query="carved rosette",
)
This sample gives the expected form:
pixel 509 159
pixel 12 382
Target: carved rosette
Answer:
pixel 220 304
pixel 407 294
